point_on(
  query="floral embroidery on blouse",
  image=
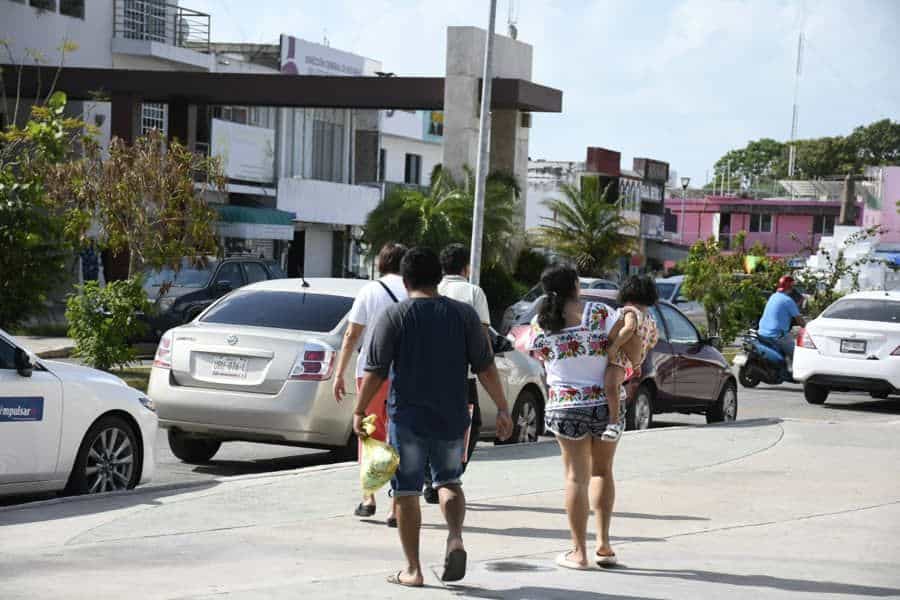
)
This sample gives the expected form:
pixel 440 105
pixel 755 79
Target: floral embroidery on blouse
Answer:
pixel 563 397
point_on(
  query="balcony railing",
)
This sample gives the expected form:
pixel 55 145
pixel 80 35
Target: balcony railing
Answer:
pixel 155 21
pixel 776 243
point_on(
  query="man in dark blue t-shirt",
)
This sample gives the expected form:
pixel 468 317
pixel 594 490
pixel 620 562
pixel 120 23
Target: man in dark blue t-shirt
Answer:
pixel 426 345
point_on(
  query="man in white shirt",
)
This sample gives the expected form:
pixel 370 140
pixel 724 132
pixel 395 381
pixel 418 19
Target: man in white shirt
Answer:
pixel 455 262
pixel 368 305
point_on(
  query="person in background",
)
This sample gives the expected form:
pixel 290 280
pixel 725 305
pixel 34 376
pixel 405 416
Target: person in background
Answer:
pixel 780 314
pixel 455 284
pixel 427 345
pixel 371 301
pixel 571 337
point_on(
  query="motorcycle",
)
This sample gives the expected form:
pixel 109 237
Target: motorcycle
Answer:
pixel 761 362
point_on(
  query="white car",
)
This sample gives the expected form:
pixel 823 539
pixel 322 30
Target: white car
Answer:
pixel 854 345
pixel 65 427
pixel 258 366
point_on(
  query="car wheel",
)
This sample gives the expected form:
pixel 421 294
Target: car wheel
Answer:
pixel 879 395
pixel 109 459
pixel 747 380
pixel 724 410
pixel 527 419
pixel 639 414
pixel 815 394
pixel 195 451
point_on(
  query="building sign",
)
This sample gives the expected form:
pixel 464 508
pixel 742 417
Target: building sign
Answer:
pixel 247 152
pixel 299 57
pixel 433 126
pixel 652 170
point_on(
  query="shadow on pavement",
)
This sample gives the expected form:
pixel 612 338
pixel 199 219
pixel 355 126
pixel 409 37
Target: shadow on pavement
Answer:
pixel 545 593
pixel 91 504
pixel 482 507
pixel 536 532
pixel 232 468
pixel 780 583
pixel 890 406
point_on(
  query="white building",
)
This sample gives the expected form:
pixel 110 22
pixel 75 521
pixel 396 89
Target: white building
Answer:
pixel 411 146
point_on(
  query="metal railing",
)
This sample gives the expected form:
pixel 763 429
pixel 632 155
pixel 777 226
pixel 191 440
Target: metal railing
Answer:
pixel 156 21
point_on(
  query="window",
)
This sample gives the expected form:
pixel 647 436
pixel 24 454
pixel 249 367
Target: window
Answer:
pixel 859 309
pixel 230 272
pixel 760 223
pixel 413 172
pixel 660 326
pixel 281 310
pixel 255 272
pixel 665 290
pixel 823 225
pixel 670 222
pixel 382 164
pixel 154 116
pixel 144 20
pixel 44 4
pixel 187 276
pixel 327 151
pixel 681 331
pixel 72 8
pixel 7 355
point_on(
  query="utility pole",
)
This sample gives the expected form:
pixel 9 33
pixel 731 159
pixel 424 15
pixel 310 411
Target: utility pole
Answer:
pixel 484 148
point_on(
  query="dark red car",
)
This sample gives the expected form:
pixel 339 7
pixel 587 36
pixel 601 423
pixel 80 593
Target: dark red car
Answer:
pixel 684 373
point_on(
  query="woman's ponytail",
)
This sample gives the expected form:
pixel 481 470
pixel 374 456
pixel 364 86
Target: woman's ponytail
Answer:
pixel 560 285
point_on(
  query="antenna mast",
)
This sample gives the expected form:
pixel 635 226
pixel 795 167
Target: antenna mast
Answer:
pixel 512 18
pixel 793 153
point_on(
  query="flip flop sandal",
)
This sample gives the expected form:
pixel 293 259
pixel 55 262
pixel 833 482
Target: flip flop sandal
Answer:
pixel 563 561
pixel 364 510
pixel 391 522
pixel 454 565
pixel 395 579
pixel 606 561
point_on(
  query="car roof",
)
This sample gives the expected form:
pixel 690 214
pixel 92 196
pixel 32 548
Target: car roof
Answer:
pixel 672 279
pixel 891 295
pixel 329 286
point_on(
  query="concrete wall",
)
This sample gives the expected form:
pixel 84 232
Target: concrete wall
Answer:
pixel 396 149
pixel 326 202
pixel 317 259
pixel 26 28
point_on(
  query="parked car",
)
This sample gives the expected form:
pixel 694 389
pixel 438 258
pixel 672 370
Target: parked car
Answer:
pixel 684 373
pixel 257 366
pixel 524 310
pixel 179 296
pixel 854 345
pixel 65 427
pixel 671 290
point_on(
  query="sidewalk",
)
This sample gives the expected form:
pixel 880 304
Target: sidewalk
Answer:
pixel 757 509
pixel 48 347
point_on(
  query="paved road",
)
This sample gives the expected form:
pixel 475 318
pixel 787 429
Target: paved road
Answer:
pixel 785 401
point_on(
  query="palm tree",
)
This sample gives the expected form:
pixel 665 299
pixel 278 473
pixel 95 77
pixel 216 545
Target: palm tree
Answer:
pixel 587 229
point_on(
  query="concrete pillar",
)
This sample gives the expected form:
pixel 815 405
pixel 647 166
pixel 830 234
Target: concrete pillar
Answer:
pixel 126 117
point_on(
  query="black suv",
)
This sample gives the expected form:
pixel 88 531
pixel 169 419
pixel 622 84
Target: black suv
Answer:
pixel 179 296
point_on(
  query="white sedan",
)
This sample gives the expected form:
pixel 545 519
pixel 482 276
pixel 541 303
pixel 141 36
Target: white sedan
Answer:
pixel 65 427
pixel 854 345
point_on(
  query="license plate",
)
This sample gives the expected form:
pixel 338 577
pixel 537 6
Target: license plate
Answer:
pixel 230 366
pixel 853 346
pixel 740 360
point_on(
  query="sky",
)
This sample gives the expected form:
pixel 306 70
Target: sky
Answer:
pixel 682 81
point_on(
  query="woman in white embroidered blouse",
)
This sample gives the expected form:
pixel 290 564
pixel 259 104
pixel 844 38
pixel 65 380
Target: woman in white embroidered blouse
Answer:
pixel 571 337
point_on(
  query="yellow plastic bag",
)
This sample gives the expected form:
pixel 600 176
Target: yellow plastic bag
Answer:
pixel 379 460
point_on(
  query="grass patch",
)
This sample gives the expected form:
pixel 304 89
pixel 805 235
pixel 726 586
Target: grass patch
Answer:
pixel 56 330
pixel 136 377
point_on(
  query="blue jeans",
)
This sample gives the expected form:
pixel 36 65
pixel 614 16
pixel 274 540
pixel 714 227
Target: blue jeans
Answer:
pixel 418 453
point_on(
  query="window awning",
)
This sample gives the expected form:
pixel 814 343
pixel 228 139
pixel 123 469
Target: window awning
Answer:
pixel 254 223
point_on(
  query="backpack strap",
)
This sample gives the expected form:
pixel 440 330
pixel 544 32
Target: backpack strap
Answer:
pixel 388 290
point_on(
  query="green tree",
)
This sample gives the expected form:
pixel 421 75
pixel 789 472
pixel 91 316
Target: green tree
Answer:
pixel 732 298
pixel 877 143
pixel 33 248
pixel 587 229
pixel 757 165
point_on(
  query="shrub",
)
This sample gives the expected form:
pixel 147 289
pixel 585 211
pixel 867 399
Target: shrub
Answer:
pixel 529 266
pixel 500 288
pixel 103 320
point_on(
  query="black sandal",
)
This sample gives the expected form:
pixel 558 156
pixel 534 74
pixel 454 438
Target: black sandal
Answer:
pixel 391 522
pixel 454 565
pixel 364 510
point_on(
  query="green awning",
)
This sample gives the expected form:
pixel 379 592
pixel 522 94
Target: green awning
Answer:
pixel 232 213
pixel 254 223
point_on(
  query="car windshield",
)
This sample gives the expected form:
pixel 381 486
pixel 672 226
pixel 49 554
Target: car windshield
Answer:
pixel 276 270
pixel 533 294
pixel 187 276
pixel 665 290
pixel 281 310
pixel 864 309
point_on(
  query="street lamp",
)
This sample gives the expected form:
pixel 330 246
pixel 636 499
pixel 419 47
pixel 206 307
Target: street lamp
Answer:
pixel 685 182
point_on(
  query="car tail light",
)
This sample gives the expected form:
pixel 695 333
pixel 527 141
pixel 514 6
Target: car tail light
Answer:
pixel 163 357
pixel 804 340
pixel 315 364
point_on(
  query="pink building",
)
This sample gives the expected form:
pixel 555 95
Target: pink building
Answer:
pixel 786 227
pixel 880 204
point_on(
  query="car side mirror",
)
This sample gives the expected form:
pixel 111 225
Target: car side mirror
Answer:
pixel 23 363
pixel 502 345
pixel 223 286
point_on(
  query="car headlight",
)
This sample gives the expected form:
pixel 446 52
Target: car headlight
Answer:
pixel 147 403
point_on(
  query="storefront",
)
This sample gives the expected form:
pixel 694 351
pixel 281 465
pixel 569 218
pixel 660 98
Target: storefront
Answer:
pixel 263 232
